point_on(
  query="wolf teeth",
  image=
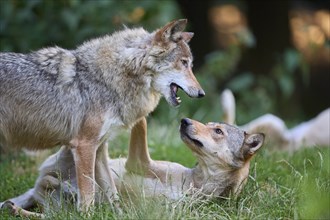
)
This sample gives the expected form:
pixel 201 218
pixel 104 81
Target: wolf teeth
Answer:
pixel 178 99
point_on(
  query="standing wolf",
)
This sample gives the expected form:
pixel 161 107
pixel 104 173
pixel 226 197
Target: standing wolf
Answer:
pixel 81 98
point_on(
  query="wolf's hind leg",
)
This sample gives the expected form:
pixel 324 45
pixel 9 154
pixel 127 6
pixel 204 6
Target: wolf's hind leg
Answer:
pixel 18 211
pixel 25 201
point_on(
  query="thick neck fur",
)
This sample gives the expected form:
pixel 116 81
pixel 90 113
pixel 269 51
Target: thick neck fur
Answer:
pixel 120 60
pixel 218 180
pixel 122 52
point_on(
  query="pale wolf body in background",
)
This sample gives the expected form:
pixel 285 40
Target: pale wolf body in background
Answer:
pixel 315 132
pixel 80 98
pixel 223 152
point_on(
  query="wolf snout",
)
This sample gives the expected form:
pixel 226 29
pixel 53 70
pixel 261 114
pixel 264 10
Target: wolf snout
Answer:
pixel 185 122
pixel 201 93
pixel 195 92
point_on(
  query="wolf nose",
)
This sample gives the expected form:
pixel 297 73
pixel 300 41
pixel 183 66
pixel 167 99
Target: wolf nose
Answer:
pixel 201 93
pixel 185 122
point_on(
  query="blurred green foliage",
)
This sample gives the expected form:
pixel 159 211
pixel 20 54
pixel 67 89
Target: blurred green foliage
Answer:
pixel 29 25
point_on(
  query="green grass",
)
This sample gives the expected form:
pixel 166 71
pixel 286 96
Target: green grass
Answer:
pixel 281 185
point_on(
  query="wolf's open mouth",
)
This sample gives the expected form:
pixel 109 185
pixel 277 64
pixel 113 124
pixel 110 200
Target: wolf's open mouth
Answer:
pixel 174 98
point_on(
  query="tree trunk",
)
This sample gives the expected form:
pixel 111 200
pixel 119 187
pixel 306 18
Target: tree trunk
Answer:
pixel 269 22
pixel 196 11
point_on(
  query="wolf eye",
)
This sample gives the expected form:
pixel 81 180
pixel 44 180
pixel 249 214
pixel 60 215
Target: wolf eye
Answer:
pixel 218 131
pixel 185 63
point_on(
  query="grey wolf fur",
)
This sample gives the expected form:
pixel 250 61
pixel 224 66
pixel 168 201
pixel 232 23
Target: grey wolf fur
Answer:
pixel 223 152
pixel 315 132
pixel 80 98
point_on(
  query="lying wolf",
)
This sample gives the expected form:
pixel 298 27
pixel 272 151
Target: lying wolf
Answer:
pixel 80 98
pixel 223 152
pixel 315 132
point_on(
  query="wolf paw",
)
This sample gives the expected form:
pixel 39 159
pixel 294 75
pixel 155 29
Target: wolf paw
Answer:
pixel 10 206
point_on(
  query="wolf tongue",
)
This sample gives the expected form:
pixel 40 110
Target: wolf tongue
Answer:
pixel 174 89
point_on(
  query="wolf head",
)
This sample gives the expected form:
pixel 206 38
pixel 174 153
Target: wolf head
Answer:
pixel 170 59
pixel 220 144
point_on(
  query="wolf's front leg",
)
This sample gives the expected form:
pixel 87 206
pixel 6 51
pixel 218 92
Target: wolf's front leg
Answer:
pixel 103 175
pixel 84 155
pixel 138 160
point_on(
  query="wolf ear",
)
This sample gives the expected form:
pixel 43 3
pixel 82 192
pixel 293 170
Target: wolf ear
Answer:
pixel 186 36
pixel 172 31
pixel 252 143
